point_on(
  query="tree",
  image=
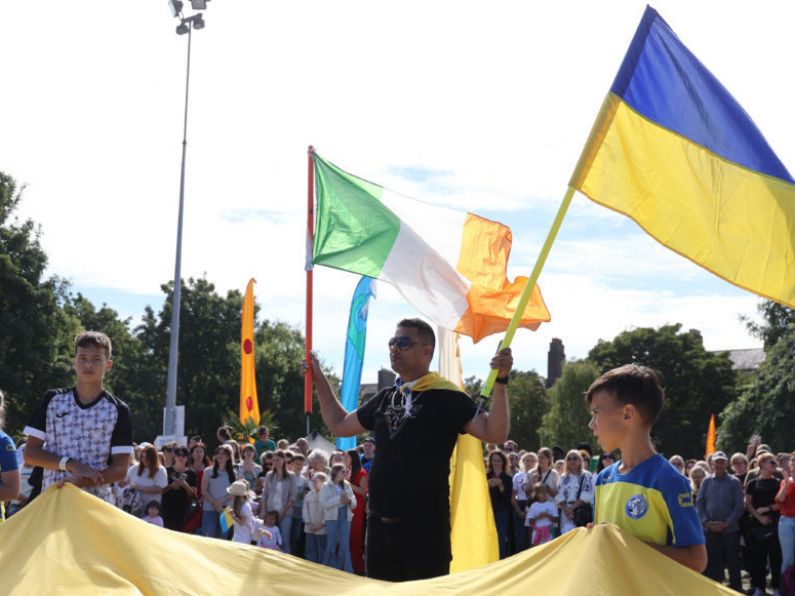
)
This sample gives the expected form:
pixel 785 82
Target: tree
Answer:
pixel 566 422
pixel 766 404
pixel 697 383
pixel 35 334
pixel 528 400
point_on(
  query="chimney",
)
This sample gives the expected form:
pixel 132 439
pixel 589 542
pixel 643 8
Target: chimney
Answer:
pixel 556 358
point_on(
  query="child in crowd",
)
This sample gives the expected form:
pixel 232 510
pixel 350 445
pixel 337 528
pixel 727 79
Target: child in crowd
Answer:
pixel 541 515
pixel 642 493
pixel 271 537
pixel 241 512
pixel 152 515
pixel 314 525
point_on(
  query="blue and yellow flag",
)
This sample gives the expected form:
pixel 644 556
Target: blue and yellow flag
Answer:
pixel 674 151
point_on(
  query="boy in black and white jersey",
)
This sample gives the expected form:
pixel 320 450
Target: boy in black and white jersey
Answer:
pixel 82 434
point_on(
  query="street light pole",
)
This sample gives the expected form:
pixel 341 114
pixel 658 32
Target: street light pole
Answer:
pixel 169 422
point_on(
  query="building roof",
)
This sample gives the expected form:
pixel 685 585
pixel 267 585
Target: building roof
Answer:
pixel 747 359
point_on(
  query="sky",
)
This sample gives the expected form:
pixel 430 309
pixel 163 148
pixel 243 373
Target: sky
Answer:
pixel 478 106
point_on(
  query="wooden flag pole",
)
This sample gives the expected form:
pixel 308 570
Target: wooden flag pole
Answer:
pixel 310 236
pixel 531 282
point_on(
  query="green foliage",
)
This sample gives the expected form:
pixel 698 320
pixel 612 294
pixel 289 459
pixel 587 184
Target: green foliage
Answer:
pixel 566 422
pixel 529 402
pixel 35 334
pixel 697 383
pixel 766 404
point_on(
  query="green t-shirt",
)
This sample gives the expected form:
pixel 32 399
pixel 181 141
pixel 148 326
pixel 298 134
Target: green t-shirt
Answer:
pixel 263 446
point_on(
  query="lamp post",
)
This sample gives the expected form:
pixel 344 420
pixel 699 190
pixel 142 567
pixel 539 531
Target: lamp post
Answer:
pixel 186 26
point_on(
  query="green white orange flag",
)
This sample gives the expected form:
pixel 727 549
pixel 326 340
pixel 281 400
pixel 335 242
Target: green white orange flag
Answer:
pixel 710 437
pixel 249 402
pixel 449 264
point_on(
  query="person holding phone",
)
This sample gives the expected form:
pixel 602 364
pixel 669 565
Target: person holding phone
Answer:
pixel 180 492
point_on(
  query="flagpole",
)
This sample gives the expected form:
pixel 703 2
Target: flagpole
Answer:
pixel 310 235
pixel 531 283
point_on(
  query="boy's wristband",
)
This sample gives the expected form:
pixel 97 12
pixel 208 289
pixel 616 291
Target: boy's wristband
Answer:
pixel 502 380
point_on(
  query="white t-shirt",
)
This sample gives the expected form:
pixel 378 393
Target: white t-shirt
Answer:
pixel 160 479
pixel 536 509
pixel 518 486
pixel 243 530
pixel 567 494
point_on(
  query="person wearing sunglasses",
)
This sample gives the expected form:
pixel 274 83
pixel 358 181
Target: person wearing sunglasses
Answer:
pixel 418 419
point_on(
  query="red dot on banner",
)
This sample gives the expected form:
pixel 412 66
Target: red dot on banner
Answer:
pixel 247 346
pixel 249 403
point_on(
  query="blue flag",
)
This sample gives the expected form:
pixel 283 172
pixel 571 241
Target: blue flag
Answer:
pixel 354 353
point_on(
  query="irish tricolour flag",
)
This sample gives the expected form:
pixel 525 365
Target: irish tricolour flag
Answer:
pixel 449 264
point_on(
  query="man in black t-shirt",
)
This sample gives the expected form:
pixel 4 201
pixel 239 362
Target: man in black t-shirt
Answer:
pixel 415 425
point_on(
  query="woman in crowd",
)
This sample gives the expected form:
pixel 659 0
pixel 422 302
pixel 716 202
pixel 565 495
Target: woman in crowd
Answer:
pixel 605 461
pixel 167 455
pixel 149 477
pixel 677 462
pixel 338 457
pixel 545 473
pixel 198 461
pixel 180 492
pixel 520 500
pixel 278 494
pixel 249 469
pixel 302 486
pixel 697 475
pixel 560 467
pixel 318 462
pixel 575 494
pixel 358 476
pixel 500 489
pixel 786 523
pixel 338 503
pixel 760 499
pixel 215 481
pixel 314 524
pixel 513 463
pixel 739 465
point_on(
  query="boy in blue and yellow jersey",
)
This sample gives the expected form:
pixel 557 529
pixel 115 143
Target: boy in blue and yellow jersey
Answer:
pixel 641 493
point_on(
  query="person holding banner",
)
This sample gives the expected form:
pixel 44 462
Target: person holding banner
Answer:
pixel 418 419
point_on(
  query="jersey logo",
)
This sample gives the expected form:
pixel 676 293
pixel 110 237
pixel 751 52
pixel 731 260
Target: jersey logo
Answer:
pixel 636 506
pixel 10 447
pixel 685 500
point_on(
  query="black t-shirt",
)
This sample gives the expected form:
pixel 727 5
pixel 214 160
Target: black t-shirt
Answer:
pixel 409 478
pixel 175 504
pixel 501 499
pixel 763 494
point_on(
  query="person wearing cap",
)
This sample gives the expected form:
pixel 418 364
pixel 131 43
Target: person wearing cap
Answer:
pixel 417 420
pixel 241 512
pixel 720 505
pixel 369 453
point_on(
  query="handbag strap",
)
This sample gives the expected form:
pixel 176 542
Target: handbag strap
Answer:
pixel 579 492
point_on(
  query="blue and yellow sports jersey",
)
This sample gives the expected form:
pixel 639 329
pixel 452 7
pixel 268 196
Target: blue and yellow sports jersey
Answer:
pixel 652 502
pixel 8 461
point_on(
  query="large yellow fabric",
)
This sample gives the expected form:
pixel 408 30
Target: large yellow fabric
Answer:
pixel 735 222
pixel 69 542
pixel 249 402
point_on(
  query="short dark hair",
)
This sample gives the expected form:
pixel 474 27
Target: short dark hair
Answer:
pixel 424 330
pixel 585 447
pixel 632 384
pixel 94 339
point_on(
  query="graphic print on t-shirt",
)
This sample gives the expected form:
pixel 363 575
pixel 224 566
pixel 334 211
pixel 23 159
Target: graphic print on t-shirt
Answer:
pixel 400 409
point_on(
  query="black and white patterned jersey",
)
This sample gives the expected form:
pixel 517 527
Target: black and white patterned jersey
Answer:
pixel 90 433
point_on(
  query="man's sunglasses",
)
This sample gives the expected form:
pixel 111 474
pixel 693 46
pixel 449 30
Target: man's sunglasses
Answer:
pixel 401 342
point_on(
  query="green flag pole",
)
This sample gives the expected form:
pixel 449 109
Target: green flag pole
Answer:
pixel 531 282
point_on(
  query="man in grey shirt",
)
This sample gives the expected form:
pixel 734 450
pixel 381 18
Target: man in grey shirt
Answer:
pixel 720 505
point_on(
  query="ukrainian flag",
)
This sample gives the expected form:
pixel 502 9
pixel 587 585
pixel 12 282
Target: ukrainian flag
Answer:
pixel 674 151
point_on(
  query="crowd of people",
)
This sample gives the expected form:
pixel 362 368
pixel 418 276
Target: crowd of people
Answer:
pixel 746 504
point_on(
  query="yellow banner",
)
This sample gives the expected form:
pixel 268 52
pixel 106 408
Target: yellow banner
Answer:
pixel 249 402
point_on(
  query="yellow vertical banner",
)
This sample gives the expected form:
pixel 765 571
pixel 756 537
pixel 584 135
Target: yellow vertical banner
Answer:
pixel 473 533
pixel 249 402
pixel 710 437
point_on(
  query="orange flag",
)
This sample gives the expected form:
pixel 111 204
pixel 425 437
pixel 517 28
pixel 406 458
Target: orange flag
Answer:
pixel 711 436
pixel 249 402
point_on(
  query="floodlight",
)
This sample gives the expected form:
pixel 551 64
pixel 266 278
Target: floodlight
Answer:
pixel 182 29
pixel 175 6
pixel 198 4
pixel 198 22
